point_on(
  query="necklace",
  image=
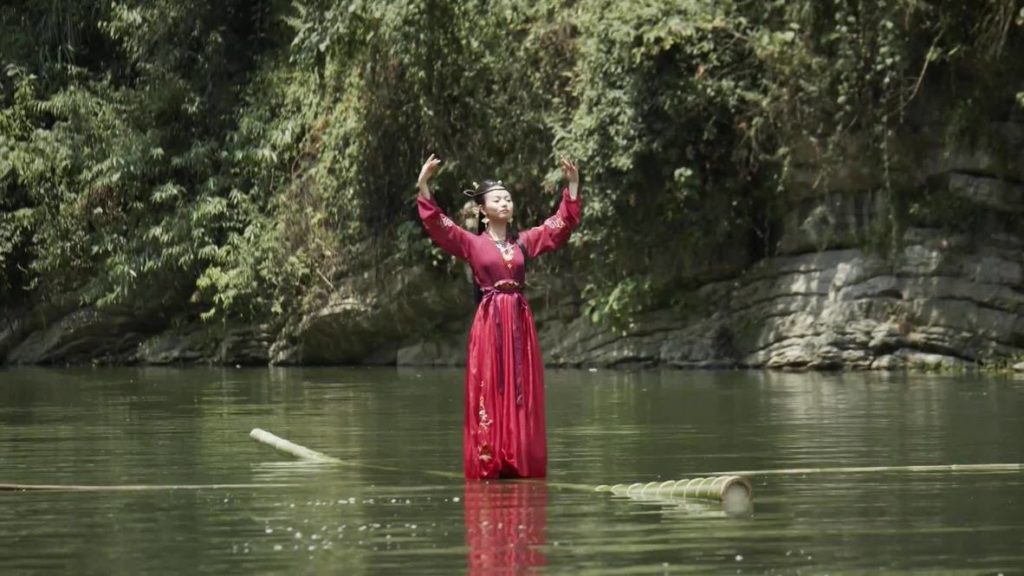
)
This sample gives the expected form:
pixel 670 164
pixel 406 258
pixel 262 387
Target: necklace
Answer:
pixel 507 250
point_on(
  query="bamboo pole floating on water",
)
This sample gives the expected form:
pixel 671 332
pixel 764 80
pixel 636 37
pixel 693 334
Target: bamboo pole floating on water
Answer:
pixel 130 487
pixel 733 489
pixel 303 453
pixel 1007 467
pixel 290 448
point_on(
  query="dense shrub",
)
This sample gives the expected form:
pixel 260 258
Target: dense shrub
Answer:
pixel 239 159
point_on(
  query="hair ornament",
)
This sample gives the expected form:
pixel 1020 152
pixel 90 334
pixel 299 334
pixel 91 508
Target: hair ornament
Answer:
pixel 477 192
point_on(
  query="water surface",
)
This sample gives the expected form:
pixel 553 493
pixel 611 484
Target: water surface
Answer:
pixel 400 507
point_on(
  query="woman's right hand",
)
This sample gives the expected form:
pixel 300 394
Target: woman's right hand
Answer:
pixel 430 168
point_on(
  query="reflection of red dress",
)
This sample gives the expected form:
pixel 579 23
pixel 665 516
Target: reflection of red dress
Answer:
pixel 506 526
pixel 504 429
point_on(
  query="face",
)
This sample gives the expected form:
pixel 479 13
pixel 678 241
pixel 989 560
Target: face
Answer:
pixel 497 205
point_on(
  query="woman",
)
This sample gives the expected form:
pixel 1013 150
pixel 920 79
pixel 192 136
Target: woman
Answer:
pixel 504 435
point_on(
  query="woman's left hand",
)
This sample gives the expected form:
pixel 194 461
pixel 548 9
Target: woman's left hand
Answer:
pixel 570 171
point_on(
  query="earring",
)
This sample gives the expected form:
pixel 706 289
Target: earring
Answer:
pixel 486 221
pixel 510 218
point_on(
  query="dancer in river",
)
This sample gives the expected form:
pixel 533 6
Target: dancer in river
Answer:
pixel 504 434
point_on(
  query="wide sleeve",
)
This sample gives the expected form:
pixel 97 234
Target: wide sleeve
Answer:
pixel 451 237
pixel 555 231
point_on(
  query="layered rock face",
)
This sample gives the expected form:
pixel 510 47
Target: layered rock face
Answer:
pixel 830 310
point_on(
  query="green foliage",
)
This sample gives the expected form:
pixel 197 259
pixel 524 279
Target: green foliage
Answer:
pixel 244 159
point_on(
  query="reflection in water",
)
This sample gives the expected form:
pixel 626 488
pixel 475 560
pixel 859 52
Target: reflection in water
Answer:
pixel 506 525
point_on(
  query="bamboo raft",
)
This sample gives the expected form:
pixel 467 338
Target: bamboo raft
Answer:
pixel 731 489
pixel 734 490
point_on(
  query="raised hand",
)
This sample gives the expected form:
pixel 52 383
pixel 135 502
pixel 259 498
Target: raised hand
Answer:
pixel 430 168
pixel 572 175
pixel 569 170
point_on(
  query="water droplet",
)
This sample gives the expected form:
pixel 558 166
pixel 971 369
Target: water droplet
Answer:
pixel 278 547
pixel 269 530
pixel 739 557
pixel 456 499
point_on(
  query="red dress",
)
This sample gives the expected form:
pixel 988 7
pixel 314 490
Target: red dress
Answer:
pixel 504 435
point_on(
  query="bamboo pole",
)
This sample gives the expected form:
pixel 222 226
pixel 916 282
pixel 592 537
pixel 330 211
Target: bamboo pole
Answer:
pixel 1007 467
pixel 290 448
pixel 303 453
pixel 720 488
pixel 130 487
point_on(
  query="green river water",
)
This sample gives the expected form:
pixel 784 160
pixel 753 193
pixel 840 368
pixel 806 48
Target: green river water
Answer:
pixel 403 514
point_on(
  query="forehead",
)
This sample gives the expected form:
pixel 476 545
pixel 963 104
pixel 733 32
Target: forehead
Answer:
pixel 497 194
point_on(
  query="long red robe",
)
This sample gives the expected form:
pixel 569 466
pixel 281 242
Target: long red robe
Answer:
pixel 504 434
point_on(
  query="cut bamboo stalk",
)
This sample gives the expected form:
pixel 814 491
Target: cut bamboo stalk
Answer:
pixel 290 448
pixel 303 453
pixel 720 488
